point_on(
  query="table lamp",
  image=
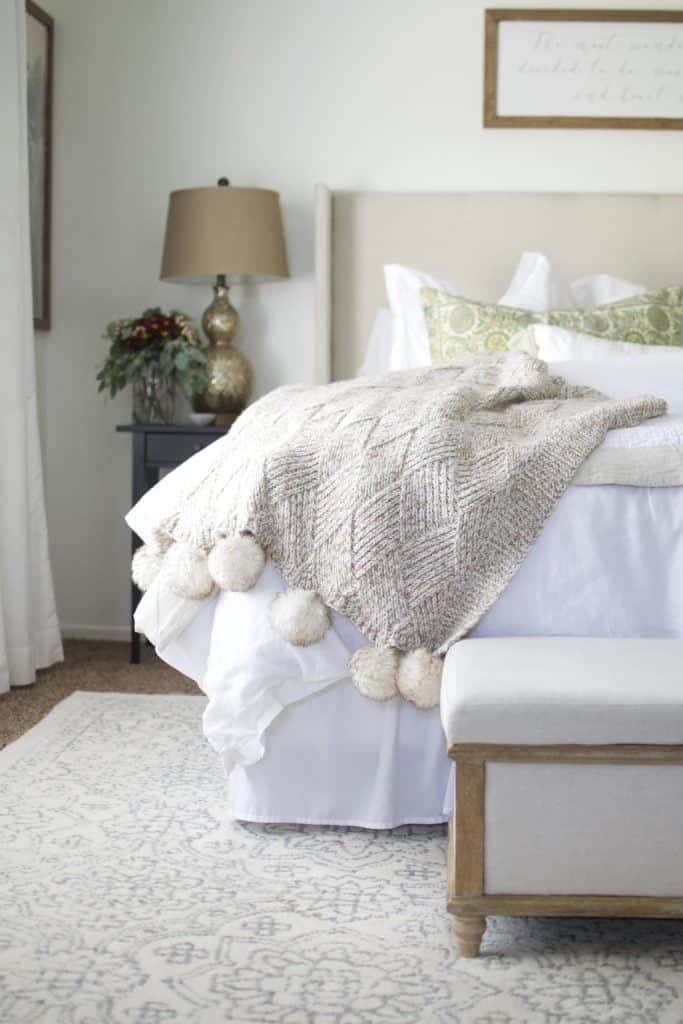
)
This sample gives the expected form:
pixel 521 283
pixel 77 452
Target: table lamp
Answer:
pixel 229 235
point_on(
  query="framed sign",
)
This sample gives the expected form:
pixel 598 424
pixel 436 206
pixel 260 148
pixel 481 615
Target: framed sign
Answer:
pixel 583 69
pixel 39 44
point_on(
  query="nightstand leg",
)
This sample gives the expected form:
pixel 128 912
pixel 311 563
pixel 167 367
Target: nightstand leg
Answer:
pixel 135 596
pixel 143 478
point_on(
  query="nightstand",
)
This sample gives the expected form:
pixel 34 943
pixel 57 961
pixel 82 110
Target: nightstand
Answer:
pixel 156 448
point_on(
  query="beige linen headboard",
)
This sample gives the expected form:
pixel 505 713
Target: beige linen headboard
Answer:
pixel 475 240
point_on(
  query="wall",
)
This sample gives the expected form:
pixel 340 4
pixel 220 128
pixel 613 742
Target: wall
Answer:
pixel 153 95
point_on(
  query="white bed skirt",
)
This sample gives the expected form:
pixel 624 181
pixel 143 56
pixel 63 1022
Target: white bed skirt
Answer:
pixel 299 742
pixel 339 759
pixel 304 746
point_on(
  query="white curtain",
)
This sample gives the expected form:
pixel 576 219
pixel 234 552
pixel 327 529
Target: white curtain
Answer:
pixel 29 631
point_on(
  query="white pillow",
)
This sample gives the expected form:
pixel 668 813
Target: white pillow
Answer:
pixel 537 286
pixel 551 343
pixel 410 347
pixel 534 286
pixel 599 289
pixel 661 375
pixel 378 353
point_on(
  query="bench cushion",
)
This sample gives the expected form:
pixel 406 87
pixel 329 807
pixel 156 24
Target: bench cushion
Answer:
pixel 563 690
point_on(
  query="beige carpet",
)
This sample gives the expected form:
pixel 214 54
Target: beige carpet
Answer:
pixel 95 665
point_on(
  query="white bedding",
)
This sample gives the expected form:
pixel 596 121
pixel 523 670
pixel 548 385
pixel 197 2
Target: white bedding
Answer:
pixel 609 562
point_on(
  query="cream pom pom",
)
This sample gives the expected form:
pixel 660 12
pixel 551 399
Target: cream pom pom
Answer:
pixel 186 572
pixel 145 567
pixel 419 678
pixel 299 616
pixel 373 670
pixel 236 563
pixel 161 541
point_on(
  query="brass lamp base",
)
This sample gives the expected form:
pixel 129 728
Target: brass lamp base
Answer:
pixel 228 370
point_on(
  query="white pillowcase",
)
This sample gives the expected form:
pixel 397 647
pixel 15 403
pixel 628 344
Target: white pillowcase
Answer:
pixel 537 286
pixel 551 343
pixel 533 284
pixel 599 289
pixel 402 343
pixel 378 353
pixel 410 344
pixel 659 375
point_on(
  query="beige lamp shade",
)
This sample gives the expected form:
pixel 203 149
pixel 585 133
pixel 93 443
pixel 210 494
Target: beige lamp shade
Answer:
pixel 223 230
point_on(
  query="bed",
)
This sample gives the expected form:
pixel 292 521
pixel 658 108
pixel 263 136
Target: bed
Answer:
pixel 301 744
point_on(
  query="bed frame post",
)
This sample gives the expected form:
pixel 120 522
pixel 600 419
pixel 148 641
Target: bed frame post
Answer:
pixel 323 285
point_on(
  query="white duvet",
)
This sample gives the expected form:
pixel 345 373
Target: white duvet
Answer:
pixel 609 562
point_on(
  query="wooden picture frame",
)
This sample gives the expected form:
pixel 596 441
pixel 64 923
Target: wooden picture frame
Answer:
pixel 632 71
pixel 39 87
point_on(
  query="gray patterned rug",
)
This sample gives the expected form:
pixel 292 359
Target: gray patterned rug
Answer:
pixel 128 897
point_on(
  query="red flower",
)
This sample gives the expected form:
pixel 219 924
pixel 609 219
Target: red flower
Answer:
pixel 153 330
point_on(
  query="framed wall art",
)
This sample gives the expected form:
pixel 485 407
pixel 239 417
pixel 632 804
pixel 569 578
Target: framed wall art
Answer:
pixel 583 69
pixel 39 72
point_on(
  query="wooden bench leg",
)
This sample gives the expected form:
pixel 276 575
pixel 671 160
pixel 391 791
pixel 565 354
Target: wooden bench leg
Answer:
pixel 469 931
pixel 466 855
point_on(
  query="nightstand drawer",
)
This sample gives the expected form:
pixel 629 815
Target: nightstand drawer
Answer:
pixel 170 449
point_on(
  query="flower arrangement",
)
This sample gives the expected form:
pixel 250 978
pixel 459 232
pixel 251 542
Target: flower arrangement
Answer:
pixel 154 353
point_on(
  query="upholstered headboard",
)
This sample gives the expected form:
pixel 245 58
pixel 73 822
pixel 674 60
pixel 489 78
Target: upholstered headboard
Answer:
pixel 474 240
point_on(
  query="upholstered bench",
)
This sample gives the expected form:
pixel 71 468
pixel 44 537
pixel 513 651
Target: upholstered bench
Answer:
pixel 568 779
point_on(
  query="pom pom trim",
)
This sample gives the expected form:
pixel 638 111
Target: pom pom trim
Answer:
pixel 299 616
pixel 419 678
pixel 186 571
pixel 236 563
pixel 373 671
pixel 145 567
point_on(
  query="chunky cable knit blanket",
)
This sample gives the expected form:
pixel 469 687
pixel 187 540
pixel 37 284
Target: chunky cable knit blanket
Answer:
pixel 407 501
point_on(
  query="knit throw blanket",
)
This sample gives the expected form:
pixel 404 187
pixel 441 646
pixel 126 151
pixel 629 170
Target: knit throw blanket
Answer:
pixel 406 502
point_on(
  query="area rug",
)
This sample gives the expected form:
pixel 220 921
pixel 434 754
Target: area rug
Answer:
pixel 127 896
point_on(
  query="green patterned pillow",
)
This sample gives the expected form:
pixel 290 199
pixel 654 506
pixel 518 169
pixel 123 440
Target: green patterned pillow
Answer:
pixel 458 326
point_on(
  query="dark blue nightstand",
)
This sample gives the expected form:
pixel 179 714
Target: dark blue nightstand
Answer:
pixel 156 448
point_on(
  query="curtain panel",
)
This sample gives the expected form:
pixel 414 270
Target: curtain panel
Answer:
pixel 29 630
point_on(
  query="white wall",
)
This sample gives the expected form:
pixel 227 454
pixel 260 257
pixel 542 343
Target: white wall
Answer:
pixel 153 95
